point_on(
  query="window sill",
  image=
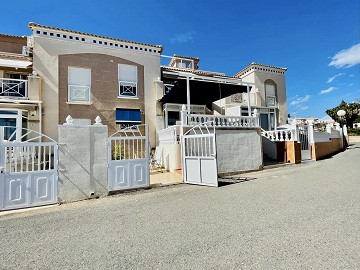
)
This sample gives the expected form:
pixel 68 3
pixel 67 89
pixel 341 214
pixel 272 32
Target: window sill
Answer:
pixel 124 97
pixel 78 103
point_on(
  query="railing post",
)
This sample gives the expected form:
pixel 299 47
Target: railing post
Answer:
pixel 183 116
pixel 257 119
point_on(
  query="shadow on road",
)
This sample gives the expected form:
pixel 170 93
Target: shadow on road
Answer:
pixel 233 180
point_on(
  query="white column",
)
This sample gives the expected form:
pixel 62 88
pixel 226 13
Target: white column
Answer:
pixel 256 115
pixel 311 130
pixel 328 128
pixel 188 94
pixel 183 116
pixel 248 94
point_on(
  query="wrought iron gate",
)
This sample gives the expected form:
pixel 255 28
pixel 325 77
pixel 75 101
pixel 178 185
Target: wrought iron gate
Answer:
pixel 199 156
pixel 28 168
pixel 128 155
pixel 303 136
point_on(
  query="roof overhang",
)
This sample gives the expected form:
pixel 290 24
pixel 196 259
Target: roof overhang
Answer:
pixel 213 79
pixel 14 63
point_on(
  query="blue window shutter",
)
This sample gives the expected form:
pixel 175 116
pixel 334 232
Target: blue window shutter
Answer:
pixel 128 115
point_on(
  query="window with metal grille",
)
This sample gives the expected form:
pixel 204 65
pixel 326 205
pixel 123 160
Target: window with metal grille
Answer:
pixel 128 81
pixel 79 85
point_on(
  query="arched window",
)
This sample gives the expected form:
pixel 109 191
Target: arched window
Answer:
pixel 270 93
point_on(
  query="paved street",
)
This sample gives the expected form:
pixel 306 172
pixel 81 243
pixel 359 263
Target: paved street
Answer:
pixel 296 217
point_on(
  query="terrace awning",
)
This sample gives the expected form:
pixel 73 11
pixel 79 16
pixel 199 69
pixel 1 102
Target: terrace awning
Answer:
pixel 14 63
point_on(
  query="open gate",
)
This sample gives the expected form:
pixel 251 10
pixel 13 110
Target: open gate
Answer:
pixel 28 168
pixel 303 136
pixel 199 156
pixel 128 157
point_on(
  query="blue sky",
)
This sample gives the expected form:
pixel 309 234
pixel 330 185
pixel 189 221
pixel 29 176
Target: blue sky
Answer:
pixel 318 41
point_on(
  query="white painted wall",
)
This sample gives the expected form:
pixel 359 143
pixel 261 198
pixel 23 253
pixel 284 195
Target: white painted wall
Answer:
pixel 238 150
pixel 82 162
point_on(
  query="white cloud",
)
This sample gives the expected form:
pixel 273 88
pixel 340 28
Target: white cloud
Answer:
pixel 300 100
pixel 351 75
pixel 347 58
pixel 183 38
pixel 330 89
pixel 303 108
pixel 334 77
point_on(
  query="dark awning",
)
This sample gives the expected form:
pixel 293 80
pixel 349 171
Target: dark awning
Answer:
pixel 201 93
pixel 128 115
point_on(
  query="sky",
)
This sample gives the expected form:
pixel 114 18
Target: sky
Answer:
pixel 318 41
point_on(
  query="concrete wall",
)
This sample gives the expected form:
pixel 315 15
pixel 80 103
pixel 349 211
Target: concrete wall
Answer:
pixel 171 156
pixel 325 149
pixel 46 64
pixel 238 150
pixel 82 162
pixel 269 148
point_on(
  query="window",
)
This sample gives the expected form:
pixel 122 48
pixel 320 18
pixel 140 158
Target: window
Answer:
pixel 127 117
pixel 127 81
pixel 270 95
pixel 79 85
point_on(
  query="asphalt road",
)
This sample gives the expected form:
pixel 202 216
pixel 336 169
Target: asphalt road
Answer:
pixel 296 217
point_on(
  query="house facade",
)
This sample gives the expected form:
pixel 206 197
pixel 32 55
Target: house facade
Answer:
pixel 85 76
pixel 63 72
pixel 20 101
pixel 268 95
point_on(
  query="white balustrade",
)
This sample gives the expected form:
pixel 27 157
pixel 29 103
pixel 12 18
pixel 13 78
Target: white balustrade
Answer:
pixel 222 120
pixel 280 135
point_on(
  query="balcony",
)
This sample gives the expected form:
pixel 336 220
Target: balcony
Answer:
pixel 13 88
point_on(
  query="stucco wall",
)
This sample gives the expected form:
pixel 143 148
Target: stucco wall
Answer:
pixel 325 149
pixel 46 64
pixel 259 79
pixel 82 162
pixel 238 150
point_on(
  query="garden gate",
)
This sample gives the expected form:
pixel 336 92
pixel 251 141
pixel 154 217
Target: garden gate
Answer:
pixel 303 136
pixel 199 156
pixel 28 168
pixel 128 157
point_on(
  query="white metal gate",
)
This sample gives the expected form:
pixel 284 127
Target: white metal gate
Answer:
pixel 128 157
pixel 28 169
pixel 303 136
pixel 199 156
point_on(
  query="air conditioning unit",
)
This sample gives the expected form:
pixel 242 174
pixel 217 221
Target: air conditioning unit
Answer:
pixel 26 50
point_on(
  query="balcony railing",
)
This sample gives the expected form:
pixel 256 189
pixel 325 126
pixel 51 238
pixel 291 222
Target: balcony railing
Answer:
pixel 222 120
pixel 13 88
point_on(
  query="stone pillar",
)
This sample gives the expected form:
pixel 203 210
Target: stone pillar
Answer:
pixel 311 130
pixel 183 116
pixel 337 126
pixel 82 161
pixel 257 117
